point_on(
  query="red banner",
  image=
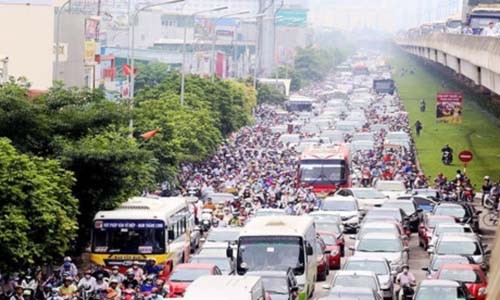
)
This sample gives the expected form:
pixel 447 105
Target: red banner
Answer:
pixel 449 107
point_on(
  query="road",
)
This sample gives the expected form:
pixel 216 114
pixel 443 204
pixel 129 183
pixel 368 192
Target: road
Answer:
pixel 418 257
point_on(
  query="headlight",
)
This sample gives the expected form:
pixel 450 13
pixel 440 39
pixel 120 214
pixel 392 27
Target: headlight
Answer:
pixel 334 252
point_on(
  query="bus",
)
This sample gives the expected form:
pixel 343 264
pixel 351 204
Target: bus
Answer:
pixel 299 103
pixel 141 229
pixel 481 15
pixel 325 168
pixel 384 86
pixel 277 243
pixel 426 29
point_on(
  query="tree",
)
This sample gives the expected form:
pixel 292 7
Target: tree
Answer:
pixel 151 74
pixel 37 211
pixel 109 168
pixel 269 94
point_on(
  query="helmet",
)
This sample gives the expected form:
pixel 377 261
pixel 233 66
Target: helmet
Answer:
pixel 68 278
pixel 486 177
pixel 115 268
pixel 67 259
pixel 67 264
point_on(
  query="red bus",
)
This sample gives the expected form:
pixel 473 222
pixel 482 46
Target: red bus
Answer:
pixel 325 168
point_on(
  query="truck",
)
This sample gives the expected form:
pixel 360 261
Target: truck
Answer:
pixel 384 86
pixel 480 16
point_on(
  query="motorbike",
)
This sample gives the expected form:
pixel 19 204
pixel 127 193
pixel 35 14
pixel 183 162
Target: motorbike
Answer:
pixel 86 293
pixel 468 194
pixel 129 294
pixel 407 292
pixel 447 158
pixel 206 219
pixel 366 180
pixel 489 202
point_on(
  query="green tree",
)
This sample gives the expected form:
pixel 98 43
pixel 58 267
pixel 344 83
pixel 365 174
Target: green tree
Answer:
pixel 109 168
pixel 37 211
pixel 151 74
pixel 269 94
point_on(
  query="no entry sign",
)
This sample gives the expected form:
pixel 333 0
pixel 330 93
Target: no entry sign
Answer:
pixel 465 156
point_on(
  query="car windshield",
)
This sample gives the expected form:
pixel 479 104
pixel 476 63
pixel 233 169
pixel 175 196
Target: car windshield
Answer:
pixel 377 267
pixel 355 281
pixel 397 136
pixel 459 247
pixel 466 276
pixel 454 211
pixel 442 229
pixel 328 226
pixel 221 262
pixel 223 236
pixel 368 194
pixel 436 264
pixel 407 207
pixel 328 218
pixel 390 186
pixel 481 22
pixel 187 274
pixel 368 229
pixel 439 292
pixel 386 213
pixel 327 173
pixel 379 245
pixel 339 205
pixel 270 253
pixel 275 285
pixel 329 240
pixel 218 252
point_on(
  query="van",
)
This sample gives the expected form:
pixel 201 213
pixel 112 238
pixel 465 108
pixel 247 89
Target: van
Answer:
pixel 226 287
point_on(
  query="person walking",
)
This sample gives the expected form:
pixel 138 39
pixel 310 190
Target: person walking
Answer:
pixel 418 127
pixel 422 105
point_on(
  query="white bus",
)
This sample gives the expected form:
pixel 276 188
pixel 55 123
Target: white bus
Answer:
pixel 140 229
pixel 279 243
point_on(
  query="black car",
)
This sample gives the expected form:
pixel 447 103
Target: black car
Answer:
pixel 464 213
pixel 413 212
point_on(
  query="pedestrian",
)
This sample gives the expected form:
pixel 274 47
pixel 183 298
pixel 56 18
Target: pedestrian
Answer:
pixel 422 105
pixel 418 127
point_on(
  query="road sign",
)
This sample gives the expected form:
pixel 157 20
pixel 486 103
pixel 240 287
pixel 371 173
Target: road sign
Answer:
pixel 465 156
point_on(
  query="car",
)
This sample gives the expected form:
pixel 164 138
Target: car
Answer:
pixel 472 275
pixel 183 274
pixel 397 135
pixel 390 212
pixel 213 249
pixel 439 260
pixel 380 266
pixel 333 228
pixel 447 228
pixel 347 208
pixel 411 210
pixel 264 212
pixel 465 245
pixel 391 188
pixel 386 245
pixel 279 285
pixel 367 197
pixel 424 203
pixel 346 127
pixel 462 212
pixel 361 146
pixel 363 136
pixel 322 260
pixel 441 289
pixel 332 248
pixel 292 139
pixel 351 293
pixel 332 136
pixel 223 263
pixel 429 193
pixel 223 235
pixel 357 279
pixel 385 226
pixel 378 127
pixel 426 228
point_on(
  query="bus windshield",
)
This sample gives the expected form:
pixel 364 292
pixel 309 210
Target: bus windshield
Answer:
pixel 482 22
pixel 270 253
pixel 128 237
pixel 322 172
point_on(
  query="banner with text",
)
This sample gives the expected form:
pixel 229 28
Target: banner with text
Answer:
pixel 449 107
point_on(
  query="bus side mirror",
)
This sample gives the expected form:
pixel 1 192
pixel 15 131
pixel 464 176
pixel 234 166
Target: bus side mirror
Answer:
pixel 309 250
pixel 171 235
pixel 229 252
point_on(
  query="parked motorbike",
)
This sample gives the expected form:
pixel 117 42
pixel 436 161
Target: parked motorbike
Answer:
pixel 447 158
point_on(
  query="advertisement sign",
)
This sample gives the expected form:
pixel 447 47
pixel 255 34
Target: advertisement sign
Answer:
pixel 63 52
pixel 89 52
pixel 292 17
pixel 224 32
pixel 128 224
pixel 91 29
pixel 449 107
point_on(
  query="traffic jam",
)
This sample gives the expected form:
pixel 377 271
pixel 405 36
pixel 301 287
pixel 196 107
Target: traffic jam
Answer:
pixel 321 198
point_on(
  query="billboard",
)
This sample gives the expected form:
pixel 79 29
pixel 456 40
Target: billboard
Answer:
pixel 292 17
pixel 449 107
pixel 28 2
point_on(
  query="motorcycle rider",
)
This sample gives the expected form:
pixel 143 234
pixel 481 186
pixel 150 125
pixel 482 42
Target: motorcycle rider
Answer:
pixel 137 271
pixel 68 290
pixel 100 283
pixel 209 204
pixel 18 293
pixel 69 267
pixel 151 267
pixel 406 280
pixel 486 188
pixel 116 275
pixel 446 150
pixel 130 281
pixel 235 221
pixel 87 284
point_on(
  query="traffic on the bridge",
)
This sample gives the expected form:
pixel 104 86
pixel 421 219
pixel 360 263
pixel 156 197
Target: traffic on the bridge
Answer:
pixel 249 149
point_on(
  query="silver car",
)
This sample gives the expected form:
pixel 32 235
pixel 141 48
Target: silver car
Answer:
pixel 358 279
pixel 462 244
pixel 380 266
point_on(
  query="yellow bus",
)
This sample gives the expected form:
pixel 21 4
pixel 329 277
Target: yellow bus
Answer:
pixel 141 229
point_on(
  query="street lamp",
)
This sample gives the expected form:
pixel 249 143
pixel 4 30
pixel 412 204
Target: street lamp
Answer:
pixel 183 71
pixel 212 66
pixel 236 35
pixel 58 37
pixel 131 52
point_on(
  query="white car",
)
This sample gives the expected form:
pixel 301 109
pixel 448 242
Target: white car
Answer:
pixel 441 229
pixel 391 188
pixel 359 279
pixel 367 197
pixel 347 208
